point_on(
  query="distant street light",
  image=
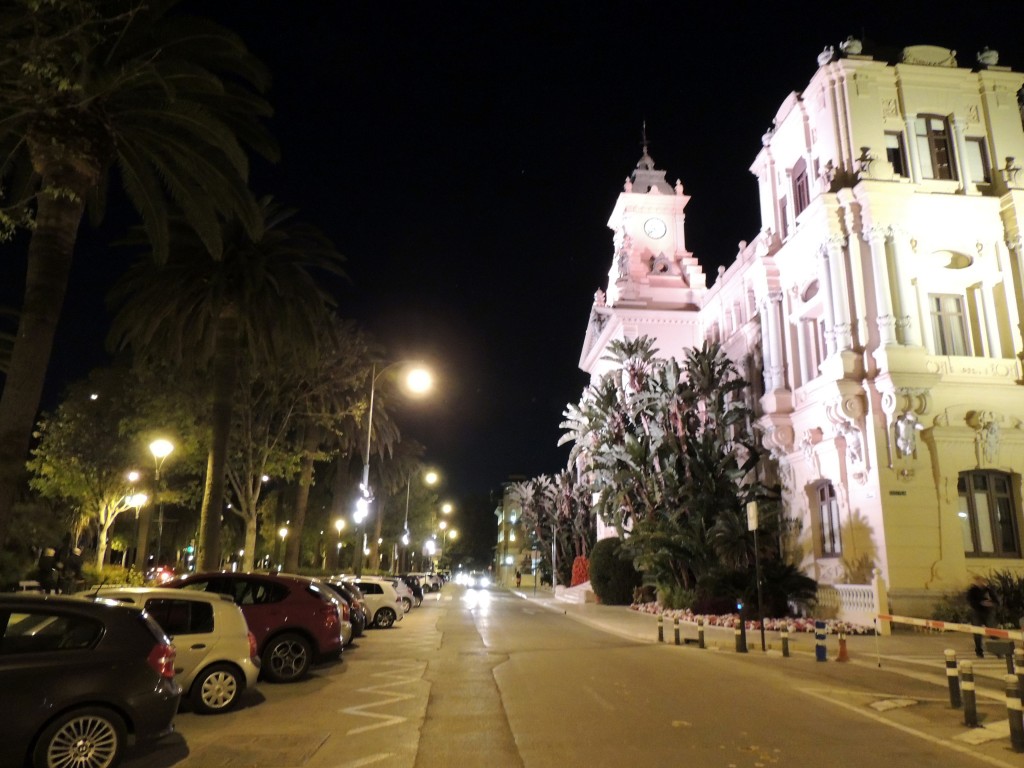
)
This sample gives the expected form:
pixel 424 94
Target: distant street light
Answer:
pixel 283 533
pixel 418 381
pixel 160 449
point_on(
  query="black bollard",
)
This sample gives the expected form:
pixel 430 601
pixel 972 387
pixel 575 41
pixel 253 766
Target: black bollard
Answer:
pixel 700 632
pixel 970 699
pixel 1014 713
pixel 785 642
pixel 661 628
pixel 953 679
pixel 1018 662
pixel 820 650
pixel 675 627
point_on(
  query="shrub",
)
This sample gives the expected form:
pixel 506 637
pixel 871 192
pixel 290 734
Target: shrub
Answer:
pixel 1009 589
pixel 580 571
pixel 612 576
pixel 676 598
pixel 953 608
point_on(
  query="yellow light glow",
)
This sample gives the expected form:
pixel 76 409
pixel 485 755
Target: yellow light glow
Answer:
pixel 431 477
pixel 447 508
pixel 339 525
pixel 282 532
pixel 419 381
pixel 161 448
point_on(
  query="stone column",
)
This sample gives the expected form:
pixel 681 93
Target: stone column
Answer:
pixel 908 315
pixel 1016 247
pixel 825 269
pixel 963 172
pixel 773 309
pixel 912 154
pixel 840 292
pixel 766 347
pixel 883 294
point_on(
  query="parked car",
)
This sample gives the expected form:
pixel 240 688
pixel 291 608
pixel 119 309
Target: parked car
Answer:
pixel 217 658
pixel 414 584
pixel 383 603
pixel 296 621
pixel 405 594
pixel 356 604
pixel 78 679
pixel 431 581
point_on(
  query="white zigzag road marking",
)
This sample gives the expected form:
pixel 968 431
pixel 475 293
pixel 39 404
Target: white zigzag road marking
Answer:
pixel 399 678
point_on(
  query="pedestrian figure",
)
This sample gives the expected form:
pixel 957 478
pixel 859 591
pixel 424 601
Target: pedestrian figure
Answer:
pixel 519 578
pixel 72 574
pixel 983 601
pixel 47 567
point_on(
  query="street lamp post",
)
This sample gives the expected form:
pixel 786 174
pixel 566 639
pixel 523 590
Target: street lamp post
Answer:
pixel 339 526
pixel 283 533
pixel 160 449
pixel 419 380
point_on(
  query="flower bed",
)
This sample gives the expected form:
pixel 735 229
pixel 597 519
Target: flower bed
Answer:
pixel 731 620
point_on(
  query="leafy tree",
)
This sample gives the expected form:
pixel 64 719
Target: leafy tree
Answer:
pixel 260 304
pixel 88 87
pixel 670 453
pixel 86 449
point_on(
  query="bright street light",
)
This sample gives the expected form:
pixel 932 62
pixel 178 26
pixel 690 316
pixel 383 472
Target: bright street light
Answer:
pixel 418 381
pixel 446 508
pixel 161 449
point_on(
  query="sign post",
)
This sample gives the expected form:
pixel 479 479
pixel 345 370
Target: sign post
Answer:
pixel 752 526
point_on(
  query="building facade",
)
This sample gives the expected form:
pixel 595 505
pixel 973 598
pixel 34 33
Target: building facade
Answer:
pixel 877 314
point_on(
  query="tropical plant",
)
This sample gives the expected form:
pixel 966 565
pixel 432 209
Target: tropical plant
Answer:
pixel 260 304
pixel 612 574
pixel 668 451
pixel 89 87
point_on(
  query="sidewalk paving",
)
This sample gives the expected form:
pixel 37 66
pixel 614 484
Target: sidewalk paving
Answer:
pixel 907 648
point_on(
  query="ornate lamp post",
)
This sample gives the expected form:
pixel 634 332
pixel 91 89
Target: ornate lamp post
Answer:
pixel 339 526
pixel 283 533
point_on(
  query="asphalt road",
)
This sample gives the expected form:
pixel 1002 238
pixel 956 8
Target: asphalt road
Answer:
pixel 485 679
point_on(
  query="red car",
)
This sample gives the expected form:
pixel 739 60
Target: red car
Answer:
pixel 296 622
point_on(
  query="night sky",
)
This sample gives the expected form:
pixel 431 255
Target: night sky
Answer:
pixel 465 157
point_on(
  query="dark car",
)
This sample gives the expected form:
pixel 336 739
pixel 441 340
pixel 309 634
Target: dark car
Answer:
pixel 296 621
pixel 356 606
pixel 78 679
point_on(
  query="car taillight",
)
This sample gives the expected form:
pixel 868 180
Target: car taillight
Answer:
pixel 161 659
pixel 253 652
pixel 344 612
pixel 330 614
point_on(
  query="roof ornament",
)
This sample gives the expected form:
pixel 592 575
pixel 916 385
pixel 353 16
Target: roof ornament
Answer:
pixel 827 54
pixel 987 57
pixel 851 46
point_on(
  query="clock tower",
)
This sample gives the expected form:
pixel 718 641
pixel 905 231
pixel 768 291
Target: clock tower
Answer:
pixel 655 286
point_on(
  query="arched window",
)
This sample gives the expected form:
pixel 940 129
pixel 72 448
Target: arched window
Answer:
pixel 989 514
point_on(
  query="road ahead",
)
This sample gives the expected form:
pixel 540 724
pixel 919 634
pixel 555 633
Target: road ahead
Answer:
pixel 485 679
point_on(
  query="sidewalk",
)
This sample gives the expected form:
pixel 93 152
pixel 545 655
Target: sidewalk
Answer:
pixel 907 648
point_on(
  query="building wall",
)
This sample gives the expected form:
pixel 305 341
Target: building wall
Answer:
pixel 877 312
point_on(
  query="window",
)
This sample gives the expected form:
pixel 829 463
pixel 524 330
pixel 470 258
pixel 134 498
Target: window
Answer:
pixel 977 159
pixel 783 219
pixel 988 514
pixel 181 617
pixel 934 147
pixel 801 188
pixel 895 153
pixel 948 325
pixel 37 632
pixel 828 516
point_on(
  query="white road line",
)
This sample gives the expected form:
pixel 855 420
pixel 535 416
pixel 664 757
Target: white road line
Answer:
pixel 906 729
pixel 398 678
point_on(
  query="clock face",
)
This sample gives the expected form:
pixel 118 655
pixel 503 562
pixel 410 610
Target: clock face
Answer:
pixel 655 228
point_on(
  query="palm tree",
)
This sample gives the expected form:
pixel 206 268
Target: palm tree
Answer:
pixel 259 304
pixel 88 87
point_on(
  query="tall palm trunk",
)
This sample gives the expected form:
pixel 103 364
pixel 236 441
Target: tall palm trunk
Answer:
pixel 59 210
pixel 310 442
pixel 225 376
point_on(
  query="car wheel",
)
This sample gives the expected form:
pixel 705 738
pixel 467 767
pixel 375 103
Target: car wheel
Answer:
pixel 216 689
pixel 419 602
pixel 286 658
pixel 406 604
pixel 91 737
pixel 385 618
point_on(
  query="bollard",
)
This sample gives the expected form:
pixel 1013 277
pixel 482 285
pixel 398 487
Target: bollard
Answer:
pixel 953 679
pixel 1014 713
pixel 1018 662
pixel 970 700
pixel 785 641
pixel 700 632
pixel 675 625
pixel 661 628
pixel 741 636
pixel 820 652
pixel 843 655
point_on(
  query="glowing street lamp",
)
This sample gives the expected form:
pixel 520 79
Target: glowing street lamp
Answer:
pixel 283 533
pixel 418 381
pixel 160 449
